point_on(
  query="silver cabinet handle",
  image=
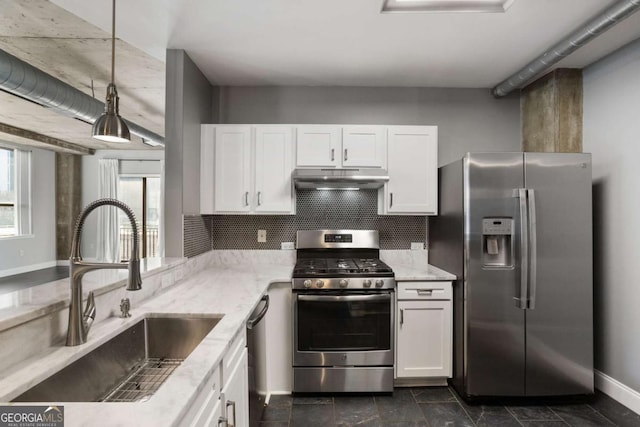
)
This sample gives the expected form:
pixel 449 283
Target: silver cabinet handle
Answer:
pixel 333 154
pixel 222 422
pixel 533 258
pixel 402 316
pixel 426 292
pixel 390 200
pixel 521 301
pixel 259 198
pixel 346 157
pixel 233 411
pixel 246 198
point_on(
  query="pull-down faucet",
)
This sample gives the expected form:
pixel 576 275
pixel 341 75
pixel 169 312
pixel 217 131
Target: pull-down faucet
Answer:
pixel 79 322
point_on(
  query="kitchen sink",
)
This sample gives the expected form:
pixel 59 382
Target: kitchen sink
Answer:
pixel 129 367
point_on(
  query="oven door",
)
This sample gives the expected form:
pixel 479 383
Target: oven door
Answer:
pixel 343 329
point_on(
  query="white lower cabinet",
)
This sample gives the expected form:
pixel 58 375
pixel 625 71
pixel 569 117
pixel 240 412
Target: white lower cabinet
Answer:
pixel 215 416
pixel 224 401
pixel 424 330
pixel 236 394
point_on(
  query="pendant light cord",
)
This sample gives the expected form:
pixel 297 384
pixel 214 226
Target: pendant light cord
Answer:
pixel 113 44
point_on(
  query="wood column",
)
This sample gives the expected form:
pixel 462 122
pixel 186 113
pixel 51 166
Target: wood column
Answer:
pixel 552 112
pixel 68 200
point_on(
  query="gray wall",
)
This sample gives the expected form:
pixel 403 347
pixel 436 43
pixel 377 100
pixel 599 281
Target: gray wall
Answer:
pixel 611 132
pixel 467 119
pixel 39 249
pixel 189 102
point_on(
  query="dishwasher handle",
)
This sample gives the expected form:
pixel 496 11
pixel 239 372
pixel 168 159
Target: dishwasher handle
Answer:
pixel 251 323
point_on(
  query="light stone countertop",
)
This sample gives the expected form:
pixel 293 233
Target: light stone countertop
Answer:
pixel 231 290
pixel 420 273
pixel 26 304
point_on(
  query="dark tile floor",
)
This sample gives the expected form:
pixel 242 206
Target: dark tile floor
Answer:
pixel 436 407
pixel 32 278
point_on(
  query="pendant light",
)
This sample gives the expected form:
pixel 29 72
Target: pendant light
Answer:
pixel 110 127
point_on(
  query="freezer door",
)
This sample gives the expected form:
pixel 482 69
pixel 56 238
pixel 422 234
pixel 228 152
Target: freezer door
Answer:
pixel 559 321
pixel 494 335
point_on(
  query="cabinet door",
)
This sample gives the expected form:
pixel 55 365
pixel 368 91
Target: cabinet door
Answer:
pixel 363 146
pixel 236 394
pixel 318 146
pixel 213 420
pixel 423 339
pixel 412 159
pixel 232 169
pixel 274 163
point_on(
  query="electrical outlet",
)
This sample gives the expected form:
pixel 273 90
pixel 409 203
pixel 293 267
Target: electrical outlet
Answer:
pixel 262 236
pixel 287 246
pixel 417 246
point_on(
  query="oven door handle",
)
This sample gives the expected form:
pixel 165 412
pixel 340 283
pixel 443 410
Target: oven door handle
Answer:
pixel 339 298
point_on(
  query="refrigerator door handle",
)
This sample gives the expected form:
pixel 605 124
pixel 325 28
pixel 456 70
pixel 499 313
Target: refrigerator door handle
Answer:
pixel 521 300
pixel 533 253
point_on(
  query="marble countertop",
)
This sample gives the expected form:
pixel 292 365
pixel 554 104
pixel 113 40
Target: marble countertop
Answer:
pixel 26 304
pixel 416 273
pixel 231 290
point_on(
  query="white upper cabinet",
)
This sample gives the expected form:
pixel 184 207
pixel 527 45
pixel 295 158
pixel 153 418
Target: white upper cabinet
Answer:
pixel 412 163
pixel 318 146
pixel 329 146
pixel 274 149
pixel 232 169
pixel 246 169
pixel 363 146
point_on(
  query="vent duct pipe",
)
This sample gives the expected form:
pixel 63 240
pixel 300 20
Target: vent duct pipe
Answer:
pixel 28 82
pixel 592 29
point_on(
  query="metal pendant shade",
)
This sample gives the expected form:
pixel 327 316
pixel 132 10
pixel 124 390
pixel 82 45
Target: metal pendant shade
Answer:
pixel 110 127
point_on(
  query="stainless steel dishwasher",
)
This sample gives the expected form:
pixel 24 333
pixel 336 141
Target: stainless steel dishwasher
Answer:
pixel 256 352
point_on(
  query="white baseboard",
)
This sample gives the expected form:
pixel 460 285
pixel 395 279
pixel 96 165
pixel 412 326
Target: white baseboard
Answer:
pixel 618 391
pixel 63 263
pixel 27 268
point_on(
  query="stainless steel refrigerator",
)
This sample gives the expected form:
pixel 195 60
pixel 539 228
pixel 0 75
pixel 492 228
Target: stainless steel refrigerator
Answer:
pixel 516 230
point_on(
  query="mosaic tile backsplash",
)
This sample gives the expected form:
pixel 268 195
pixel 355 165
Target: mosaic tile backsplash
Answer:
pixel 315 210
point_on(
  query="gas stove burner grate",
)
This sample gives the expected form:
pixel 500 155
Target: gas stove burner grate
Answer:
pixel 330 266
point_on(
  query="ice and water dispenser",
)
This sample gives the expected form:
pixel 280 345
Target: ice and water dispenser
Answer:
pixel 497 243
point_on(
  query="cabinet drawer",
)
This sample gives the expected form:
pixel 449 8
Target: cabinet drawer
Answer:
pixel 206 401
pixel 424 290
pixel 234 354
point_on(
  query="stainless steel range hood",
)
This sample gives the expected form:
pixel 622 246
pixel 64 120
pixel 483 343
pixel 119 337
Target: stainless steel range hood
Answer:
pixel 340 179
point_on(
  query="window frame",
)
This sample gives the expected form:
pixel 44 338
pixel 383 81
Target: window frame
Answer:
pixel 143 221
pixel 22 203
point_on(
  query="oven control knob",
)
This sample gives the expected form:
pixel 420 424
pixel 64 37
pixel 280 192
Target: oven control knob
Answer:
pixel 307 283
pixel 344 283
pixel 379 283
pixel 366 283
pixel 320 283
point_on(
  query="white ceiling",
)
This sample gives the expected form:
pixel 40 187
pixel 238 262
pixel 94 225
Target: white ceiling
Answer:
pixel 276 42
pixel 348 42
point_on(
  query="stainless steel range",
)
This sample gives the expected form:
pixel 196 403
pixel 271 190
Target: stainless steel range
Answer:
pixel 343 313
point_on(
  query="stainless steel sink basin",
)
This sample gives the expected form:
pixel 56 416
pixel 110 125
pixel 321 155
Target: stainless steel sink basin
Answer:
pixel 129 367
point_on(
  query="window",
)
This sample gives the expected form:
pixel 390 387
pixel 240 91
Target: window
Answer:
pixel 15 190
pixel 142 195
